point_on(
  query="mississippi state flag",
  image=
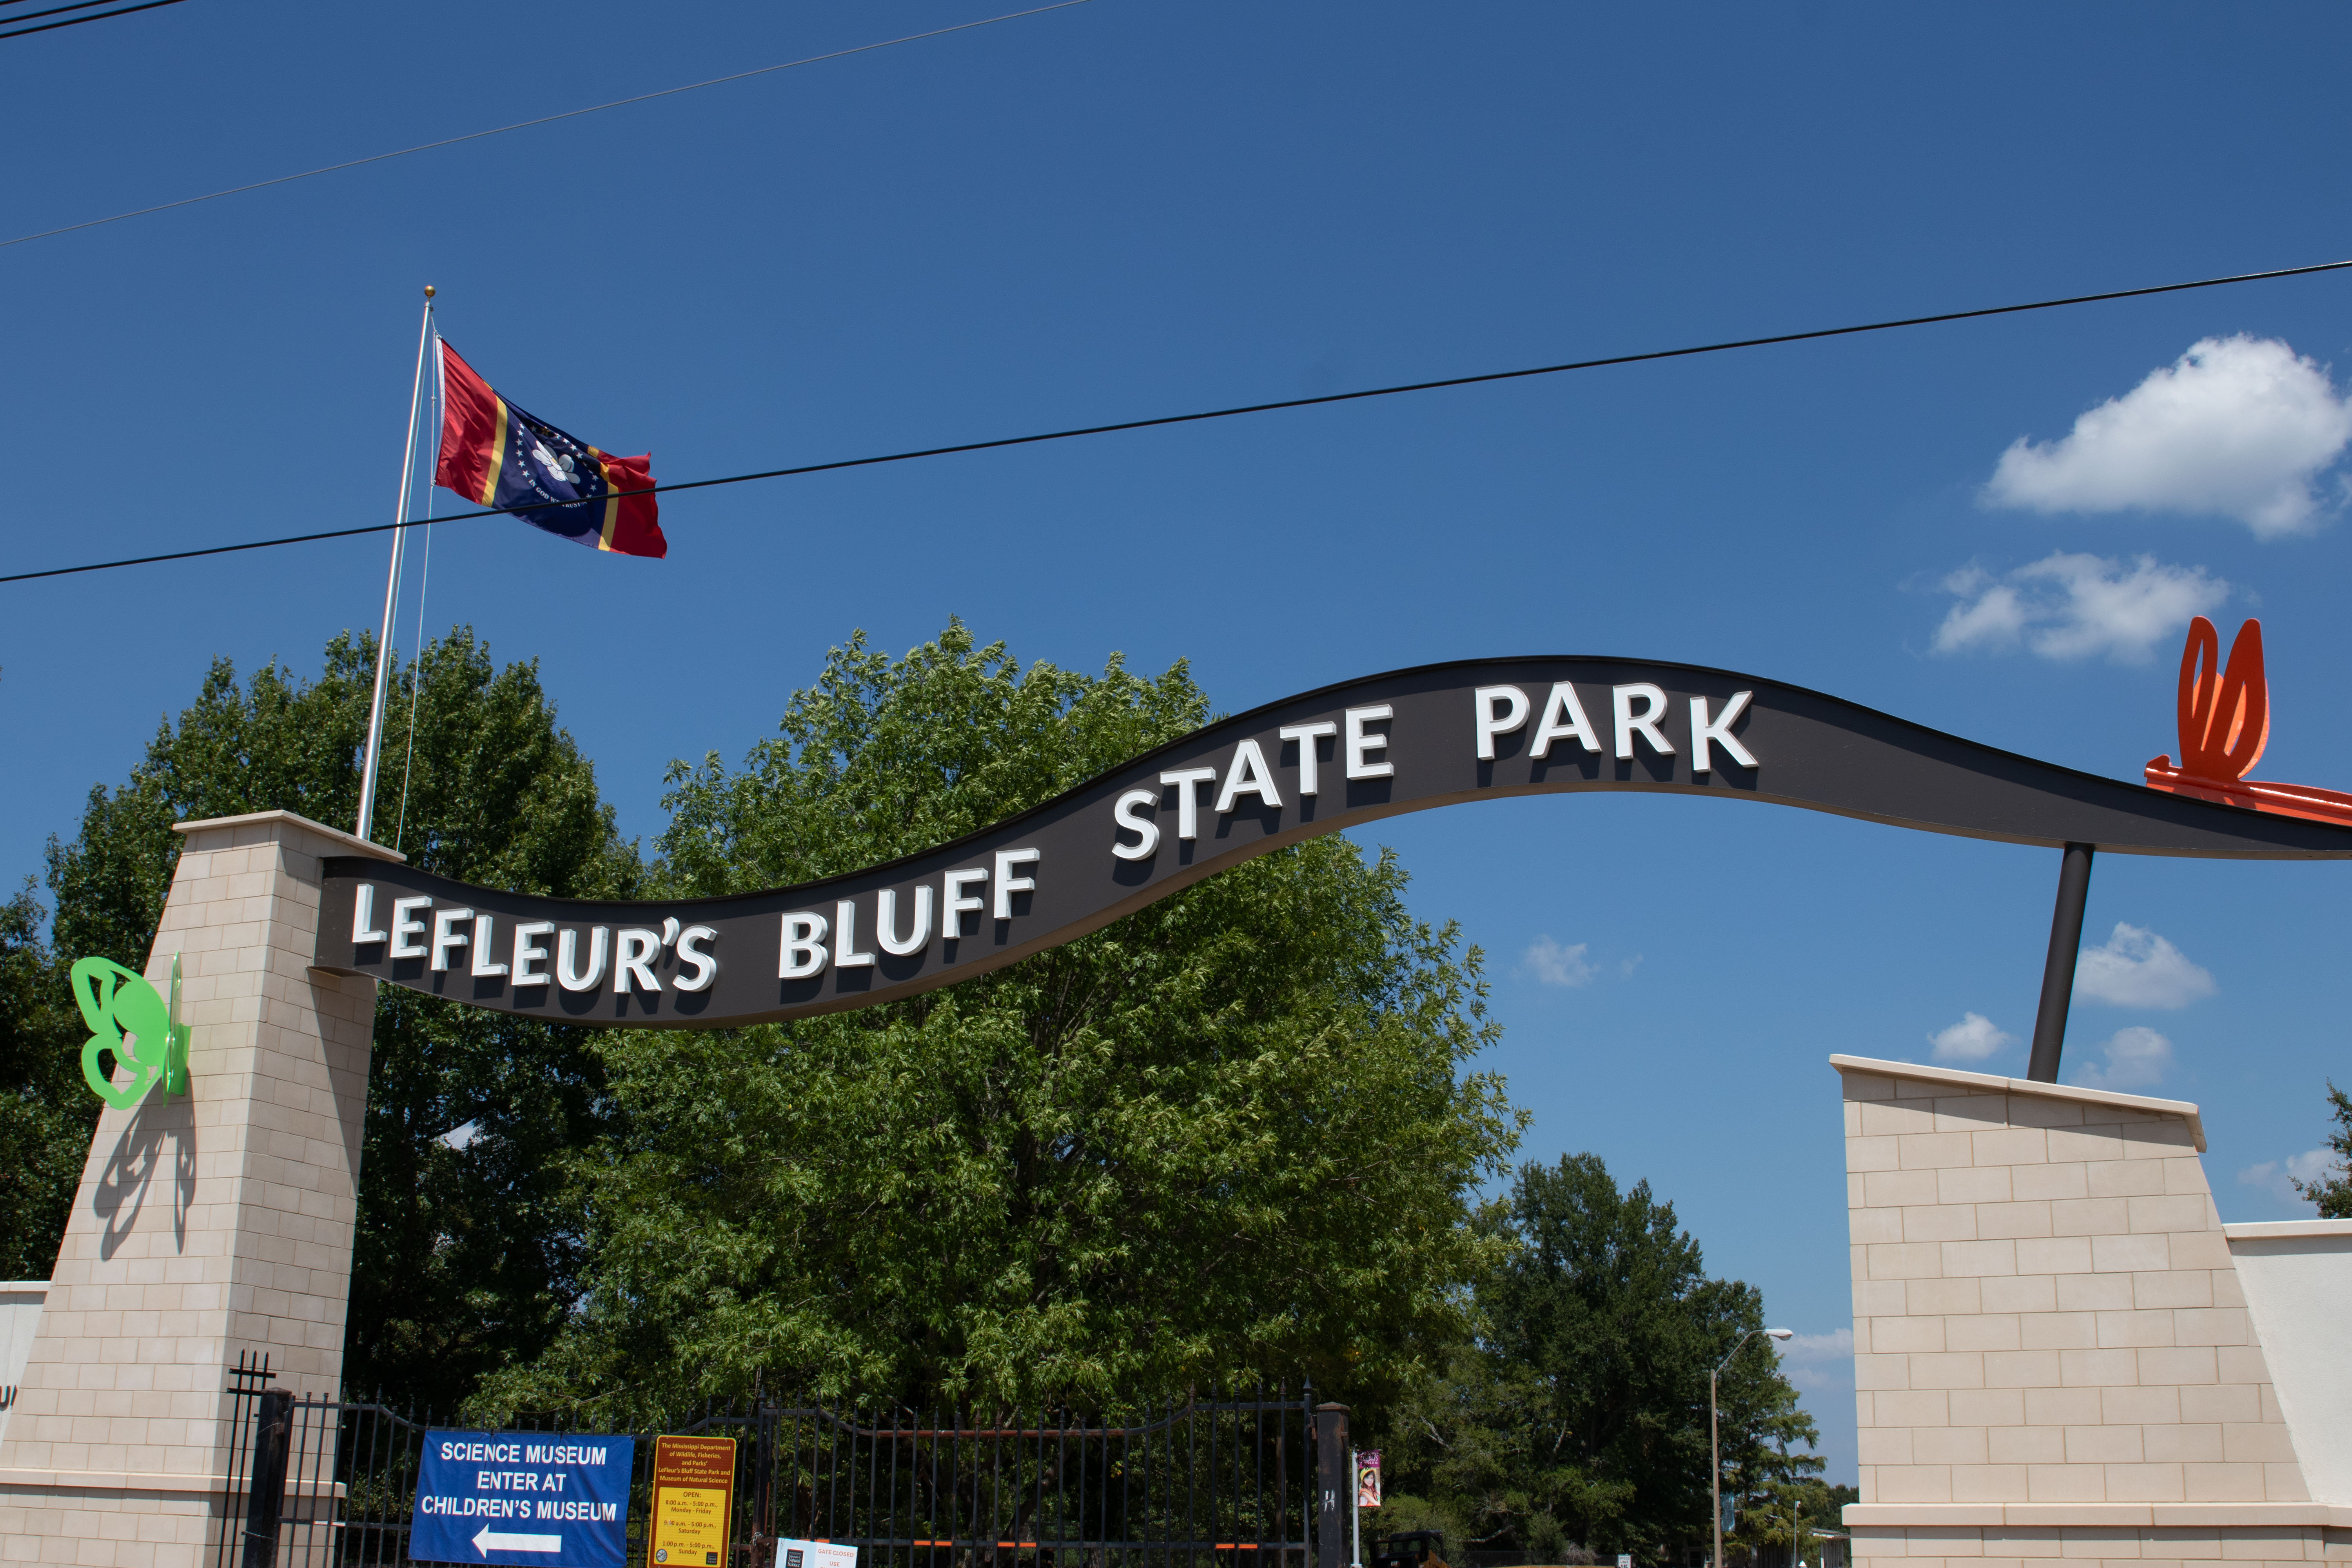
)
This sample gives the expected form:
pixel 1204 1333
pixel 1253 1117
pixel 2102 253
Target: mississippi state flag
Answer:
pixel 495 455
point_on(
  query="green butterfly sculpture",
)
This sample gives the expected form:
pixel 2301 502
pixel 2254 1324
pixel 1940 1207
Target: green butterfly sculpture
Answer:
pixel 116 1003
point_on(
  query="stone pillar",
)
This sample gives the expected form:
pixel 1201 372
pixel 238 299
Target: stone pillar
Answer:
pixel 2052 1353
pixel 206 1226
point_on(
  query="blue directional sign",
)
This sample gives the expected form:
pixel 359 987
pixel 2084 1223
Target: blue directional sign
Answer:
pixel 550 1498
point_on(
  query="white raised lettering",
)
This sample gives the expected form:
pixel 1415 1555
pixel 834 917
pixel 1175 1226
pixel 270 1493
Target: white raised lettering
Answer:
pixel 636 948
pixel 1306 735
pixel 845 937
pixel 363 914
pixel 567 954
pixel 804 952
pixel 1007 884
pixel 706 967
pixel 1718 731
pixel 445 935
pixel 886 920
pixel 1563 717
pixel 1644 723
pixel 1187 783
pixel 402 928
pixel 1355 744
pixel 1491 723
pixel 528 953
pixel 955 904
pixel 1247 775
pixel 1146 831
pixel 485 945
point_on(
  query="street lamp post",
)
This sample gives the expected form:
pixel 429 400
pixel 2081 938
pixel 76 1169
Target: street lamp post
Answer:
pixel 1714 1436
pixel 1796 1511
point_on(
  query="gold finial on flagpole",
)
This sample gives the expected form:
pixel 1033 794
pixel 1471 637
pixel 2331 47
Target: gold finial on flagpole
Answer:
pixel 428 290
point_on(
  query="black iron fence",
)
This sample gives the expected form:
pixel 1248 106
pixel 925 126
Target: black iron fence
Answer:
pixel 1212 1480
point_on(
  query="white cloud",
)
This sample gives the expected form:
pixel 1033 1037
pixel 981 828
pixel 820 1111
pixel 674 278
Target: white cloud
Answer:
pixel 2137 1057
pixel 1820 1364
pixel 1836 1345
pixel 2138 968
pixel 2238 425
pixel 1973 1039
pixel 2277 1177
pixel 1625 967
pixel 2076 607
pixel 1556 965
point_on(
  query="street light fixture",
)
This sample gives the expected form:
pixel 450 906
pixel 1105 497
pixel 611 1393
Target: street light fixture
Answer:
pixel 1713 1442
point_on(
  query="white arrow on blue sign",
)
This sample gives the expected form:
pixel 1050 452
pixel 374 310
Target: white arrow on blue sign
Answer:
pixel 487 1540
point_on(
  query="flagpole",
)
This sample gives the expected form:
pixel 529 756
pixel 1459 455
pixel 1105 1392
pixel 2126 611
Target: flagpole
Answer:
pixel 392 581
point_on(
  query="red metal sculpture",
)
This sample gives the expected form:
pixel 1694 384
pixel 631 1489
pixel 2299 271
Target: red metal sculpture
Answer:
pixel 2225 722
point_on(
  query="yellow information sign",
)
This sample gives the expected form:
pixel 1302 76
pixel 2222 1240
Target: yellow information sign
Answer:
pixel 694 1496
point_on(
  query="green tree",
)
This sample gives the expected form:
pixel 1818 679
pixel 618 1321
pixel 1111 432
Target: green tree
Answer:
pixel 46 1114
pixel 2332 1191
pixel 1580 1412
pixel 464 1254
pixel 1230 1135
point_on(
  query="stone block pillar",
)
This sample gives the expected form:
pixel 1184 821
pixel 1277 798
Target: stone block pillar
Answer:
pixel 206 1225
pixel 2052 1351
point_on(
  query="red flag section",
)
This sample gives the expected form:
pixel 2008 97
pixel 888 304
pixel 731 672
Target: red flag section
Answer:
pixel 497 455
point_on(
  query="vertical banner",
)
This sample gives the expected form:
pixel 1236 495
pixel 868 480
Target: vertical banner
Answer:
pixel 1367 1479
pixel 558 1500
pixel 694 1502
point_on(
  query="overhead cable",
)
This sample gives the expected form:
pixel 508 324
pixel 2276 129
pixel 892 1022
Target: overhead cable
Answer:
pixel 77 21
pixel 993 444
pixel 525 124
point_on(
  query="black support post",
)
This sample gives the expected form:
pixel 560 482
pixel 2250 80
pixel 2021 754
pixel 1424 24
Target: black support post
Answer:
pixel 265 1492
pixel 2058 972
pixel 764 1482
pixel 1335 1486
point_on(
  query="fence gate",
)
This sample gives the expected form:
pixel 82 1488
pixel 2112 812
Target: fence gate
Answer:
pixel 1215 1481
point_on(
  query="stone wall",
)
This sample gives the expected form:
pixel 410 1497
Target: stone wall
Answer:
pixel 206 1226
pixel 2053 1351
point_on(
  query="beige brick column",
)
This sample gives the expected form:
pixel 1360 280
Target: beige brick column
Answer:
pixel 206 1226
pixel 2053 1354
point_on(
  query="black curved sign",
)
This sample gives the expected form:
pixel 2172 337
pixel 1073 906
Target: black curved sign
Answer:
pixel 1332 759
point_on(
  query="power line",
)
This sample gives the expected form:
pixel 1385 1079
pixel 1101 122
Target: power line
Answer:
pixel 77 21
pixel 1812 335
pixel 519 124
pixel 52 11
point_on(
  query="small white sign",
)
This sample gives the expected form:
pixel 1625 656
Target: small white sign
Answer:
pixel 791 1554
pixel 1624 1559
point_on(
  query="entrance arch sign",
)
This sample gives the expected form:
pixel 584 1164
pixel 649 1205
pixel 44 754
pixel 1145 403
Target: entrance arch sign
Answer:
pixel 1339 757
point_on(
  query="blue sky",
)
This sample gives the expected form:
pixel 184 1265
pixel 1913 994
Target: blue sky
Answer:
pixel 1127 208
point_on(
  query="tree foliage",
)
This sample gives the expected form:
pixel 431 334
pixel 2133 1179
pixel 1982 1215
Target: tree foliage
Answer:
pixel 2332 1191
pixel 46 1114
pixel 1229 1135
pixel 1579 1412
pixel 1235 1135
pixel 462 1253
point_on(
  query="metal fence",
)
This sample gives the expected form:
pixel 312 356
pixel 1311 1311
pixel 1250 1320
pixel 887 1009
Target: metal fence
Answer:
pixel 1217 1480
